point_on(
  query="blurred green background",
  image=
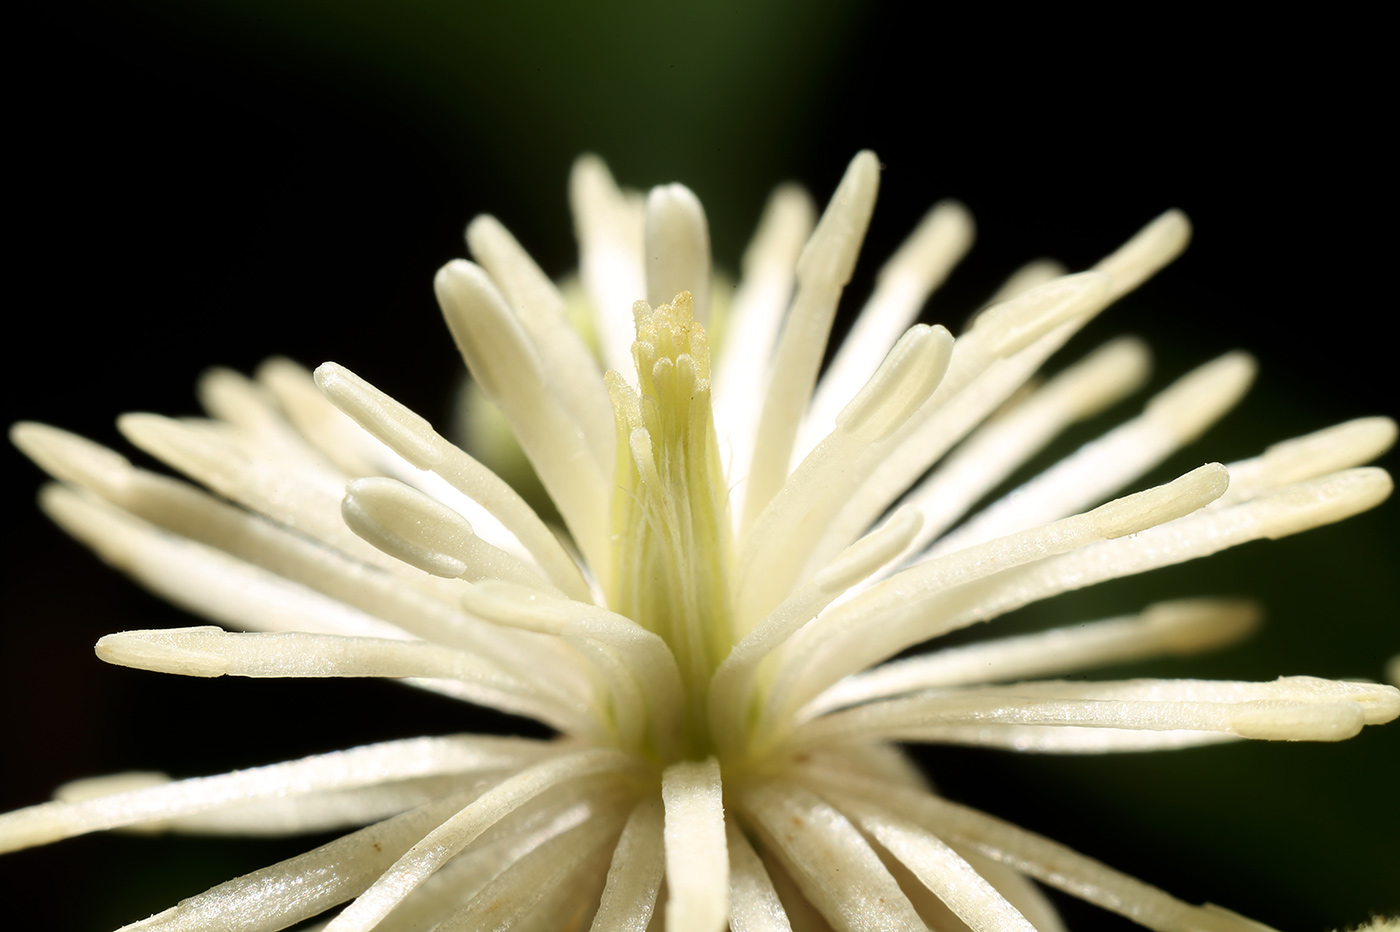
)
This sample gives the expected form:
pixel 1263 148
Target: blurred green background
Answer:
pixel 211 183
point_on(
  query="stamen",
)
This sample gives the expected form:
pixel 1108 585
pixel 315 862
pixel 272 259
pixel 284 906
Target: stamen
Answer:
pixel 671 548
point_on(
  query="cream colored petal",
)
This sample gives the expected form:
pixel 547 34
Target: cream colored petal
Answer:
pixel 364 766
pixel 697 856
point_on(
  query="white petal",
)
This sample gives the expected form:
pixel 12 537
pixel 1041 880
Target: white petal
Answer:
pixel 1334 448
pixel 1004 348
pixel 363 766
pixel 1289 709
pixel 318 422
pixel 211 651
pixel 303 886
pixel 697 857
pixel 753 903
pixel 938 867
pixel 516 835
pixel 635 873
pixel 1282 512
pixel 859 632
pixel 609 228
pixel 902 286
pixel 827 857
pixel 822 272
pixel 677 249
pixel 732 684
pixel 296 586
pixel 415 440
pixel 540 308
pixel 428 855
pixel 511 373
pixel 1172 419
pixel 1179 628
pixel 421 531
pixel 741 362
pixel 644 655
pixel 780 540
pixel 1046 861
pixel 1151 248
pixel 1005 442
pixel 547 885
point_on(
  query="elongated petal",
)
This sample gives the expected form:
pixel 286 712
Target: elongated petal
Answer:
pixel 543 886
pixel 306 885
pixel 1290 709
pixel 780 540
pixel 375 763
pixel 940 868
pixel 1179 628
pixel 510 372
pixel 421 531
pixel 825 854
pixel 1172 419
pixel 677 249
pixel 540 308
pixel 755 318
pixel 697 857
pixel 830 642
pixel 428 855
pixel 609 227
pixel 414 439
pixel 1287 511
pixel 822 272
pixel 902 286
pixel 987 457
pixel 635 873
pixel 1048 862
pixel 753 903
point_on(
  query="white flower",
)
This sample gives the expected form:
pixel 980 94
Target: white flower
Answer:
pixel 710 638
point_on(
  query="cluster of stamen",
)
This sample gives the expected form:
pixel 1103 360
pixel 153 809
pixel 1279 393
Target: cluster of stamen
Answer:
pixel 670 526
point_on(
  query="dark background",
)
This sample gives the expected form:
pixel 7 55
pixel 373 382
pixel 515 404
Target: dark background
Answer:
pixel 217 182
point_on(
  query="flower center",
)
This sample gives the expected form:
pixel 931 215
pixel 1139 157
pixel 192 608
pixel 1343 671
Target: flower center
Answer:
pixel 670 523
